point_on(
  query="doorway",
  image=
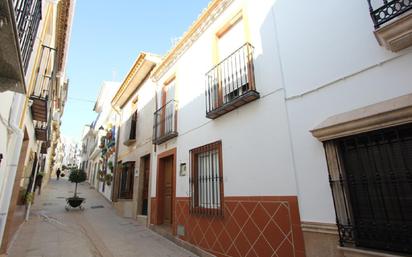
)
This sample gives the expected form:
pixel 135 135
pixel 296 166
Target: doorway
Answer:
pixel 166 188
pixel 145 184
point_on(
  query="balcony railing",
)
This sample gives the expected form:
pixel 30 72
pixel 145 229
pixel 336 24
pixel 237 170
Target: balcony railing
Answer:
pixel 165 123
pixel 42 92
pixel 231 83
pixel 388 10
pixel 41 130
pixel 28 15
pixel 44 146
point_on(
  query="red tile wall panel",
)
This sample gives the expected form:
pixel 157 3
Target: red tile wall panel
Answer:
pixel 251 226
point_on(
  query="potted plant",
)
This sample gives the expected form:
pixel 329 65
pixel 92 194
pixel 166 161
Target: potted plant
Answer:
pixel 100 175
pixel 108 178
pixel 110 165
pixel 76 176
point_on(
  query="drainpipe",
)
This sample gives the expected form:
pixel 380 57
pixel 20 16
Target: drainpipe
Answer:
pixel 116 154
pixel 12 158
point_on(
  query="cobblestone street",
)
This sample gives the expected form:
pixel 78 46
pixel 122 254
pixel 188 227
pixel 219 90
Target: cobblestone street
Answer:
pixel 54 232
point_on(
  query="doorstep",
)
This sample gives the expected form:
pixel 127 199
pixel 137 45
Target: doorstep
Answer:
pixel 361 252
pixel 167 233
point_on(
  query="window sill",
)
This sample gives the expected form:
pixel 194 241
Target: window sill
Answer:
pixel 129 142
pixel 362 252
pixel 124 199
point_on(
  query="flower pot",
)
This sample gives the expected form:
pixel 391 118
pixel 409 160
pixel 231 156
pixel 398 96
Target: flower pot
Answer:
pixel 75 202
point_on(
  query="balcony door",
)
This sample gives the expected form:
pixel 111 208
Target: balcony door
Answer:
pixel 231 38
pixel 233 73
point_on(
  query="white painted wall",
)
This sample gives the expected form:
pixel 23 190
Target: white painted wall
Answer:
pixel 331 63
pixel 257 157
pixel 144 127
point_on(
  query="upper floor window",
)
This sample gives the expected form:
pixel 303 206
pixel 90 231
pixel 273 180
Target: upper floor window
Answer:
pixel 130 129
pixel 165 118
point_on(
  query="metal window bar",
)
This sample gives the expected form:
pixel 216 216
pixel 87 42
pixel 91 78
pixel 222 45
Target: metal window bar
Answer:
pixel 388 10
pixel 28 14
pixel 371 181
pixel 165 121
pixel 206 180
pixel 230 79
pixel 41 128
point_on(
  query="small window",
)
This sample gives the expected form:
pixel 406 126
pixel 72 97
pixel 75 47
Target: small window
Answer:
pixel 130 129
pixel 206 180
pixel 126 181
pixel 133 124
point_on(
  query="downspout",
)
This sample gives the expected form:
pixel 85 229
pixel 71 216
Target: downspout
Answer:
pixel 11 160
pixel 116 154
pixel 149 200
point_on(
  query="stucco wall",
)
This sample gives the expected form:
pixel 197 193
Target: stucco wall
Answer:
pixel 257 156
pixel 338 67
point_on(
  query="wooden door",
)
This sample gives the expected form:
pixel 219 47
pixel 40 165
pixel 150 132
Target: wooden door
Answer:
pixel 145 192
pixel 168 189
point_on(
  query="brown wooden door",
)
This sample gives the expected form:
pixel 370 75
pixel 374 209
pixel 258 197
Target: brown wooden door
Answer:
pixel 145 193
pixel 168 189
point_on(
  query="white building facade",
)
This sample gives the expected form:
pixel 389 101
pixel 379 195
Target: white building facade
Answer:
pixel 102 148
pixel 135 101
pixel 296 99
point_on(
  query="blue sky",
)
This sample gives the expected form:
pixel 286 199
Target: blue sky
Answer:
pixel 106 39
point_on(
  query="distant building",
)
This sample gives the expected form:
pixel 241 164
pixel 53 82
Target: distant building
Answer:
pixel 99 141
pixel 71 152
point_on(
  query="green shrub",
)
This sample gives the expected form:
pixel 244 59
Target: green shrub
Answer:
pixel 77 176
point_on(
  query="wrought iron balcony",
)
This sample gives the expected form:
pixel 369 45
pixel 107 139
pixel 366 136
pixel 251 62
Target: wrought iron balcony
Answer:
pixel 393 23
pixel 388 10
pixel 44 146
pixel 19 25
pixel 28 16
pixel 41 130
pixel 45 77
pixel 165 123
pixel 231 83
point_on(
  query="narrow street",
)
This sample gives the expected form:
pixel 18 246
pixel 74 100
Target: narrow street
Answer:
pixel 96 231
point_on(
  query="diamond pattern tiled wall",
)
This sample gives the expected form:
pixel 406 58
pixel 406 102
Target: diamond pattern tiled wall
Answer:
pixel 251 226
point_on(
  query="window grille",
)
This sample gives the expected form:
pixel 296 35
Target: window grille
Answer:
pixel 126 181
pixel 206 182
pixel 371 180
